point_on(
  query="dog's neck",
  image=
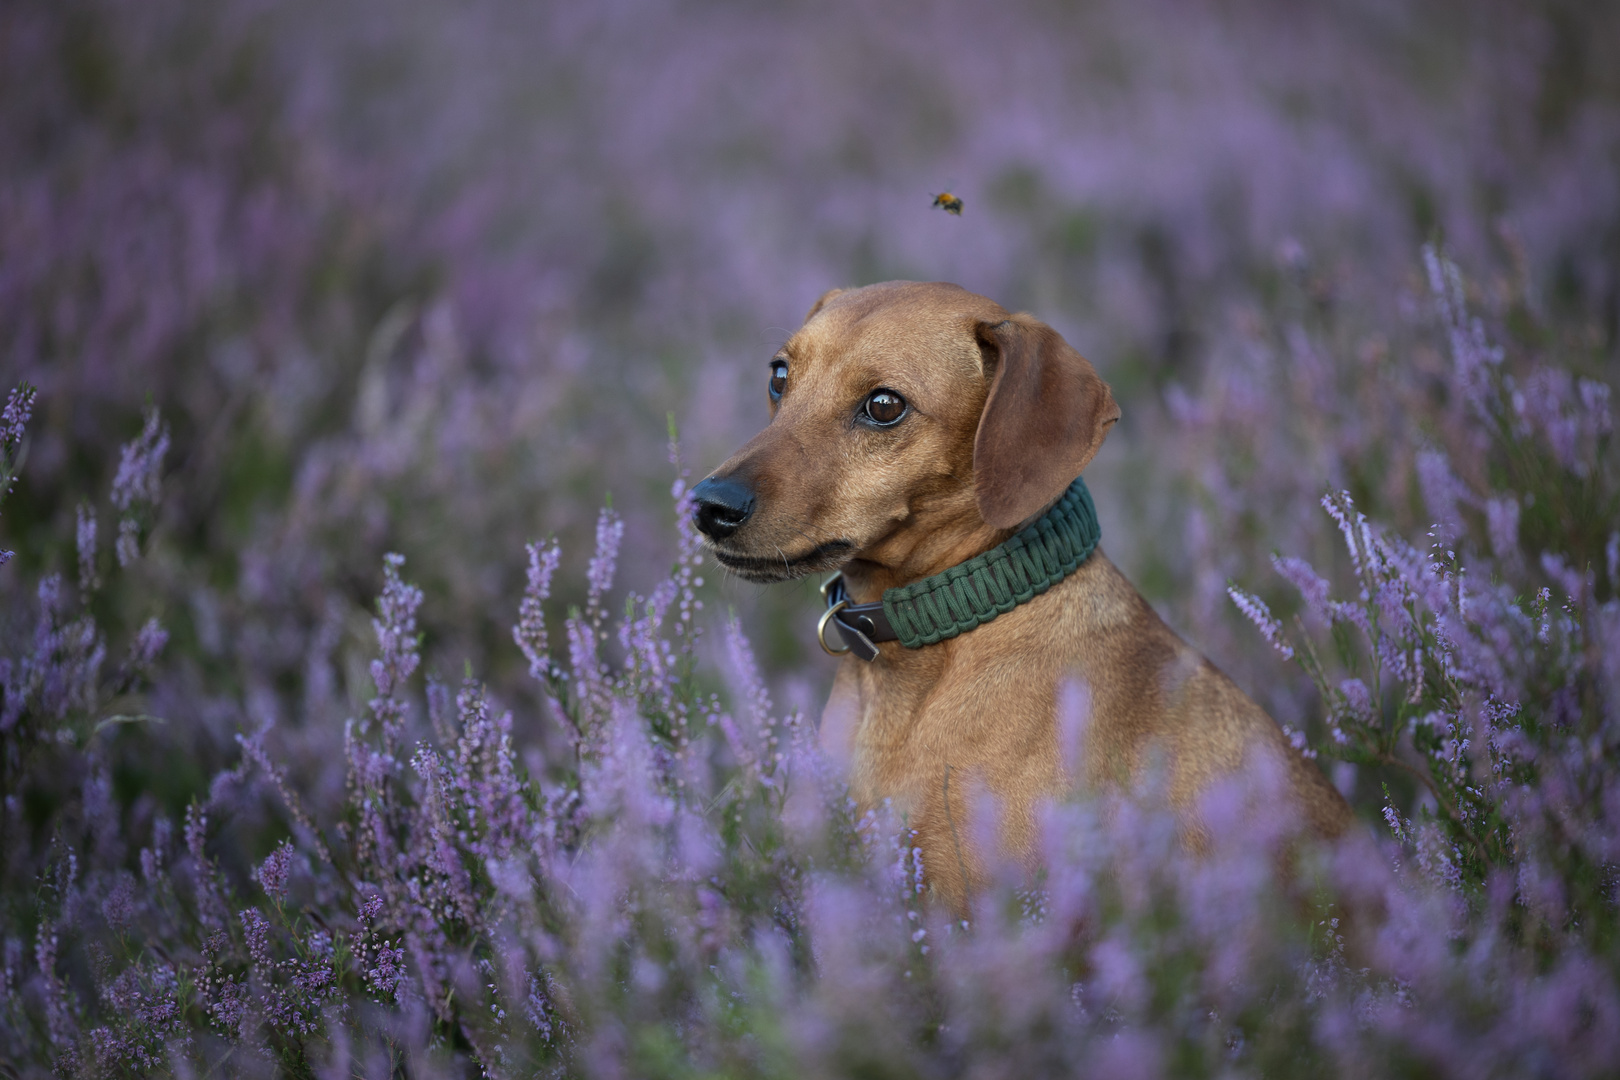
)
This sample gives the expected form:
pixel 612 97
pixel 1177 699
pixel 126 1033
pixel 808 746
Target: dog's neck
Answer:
pixel 896 563
pixel 917 550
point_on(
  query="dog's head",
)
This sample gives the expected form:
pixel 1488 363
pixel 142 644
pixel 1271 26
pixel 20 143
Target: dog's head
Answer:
pixel 909 423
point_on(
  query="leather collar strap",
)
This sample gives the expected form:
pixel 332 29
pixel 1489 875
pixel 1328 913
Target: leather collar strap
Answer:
pixel 972 593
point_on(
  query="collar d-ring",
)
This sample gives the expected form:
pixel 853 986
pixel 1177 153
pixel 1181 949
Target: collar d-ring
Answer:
pixel 860 626
pixel 821 628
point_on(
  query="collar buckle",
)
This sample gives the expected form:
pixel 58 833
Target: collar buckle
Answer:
pixel 860 626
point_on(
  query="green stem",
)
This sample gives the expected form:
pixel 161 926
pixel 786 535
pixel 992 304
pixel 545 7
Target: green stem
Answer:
pixel 1385 757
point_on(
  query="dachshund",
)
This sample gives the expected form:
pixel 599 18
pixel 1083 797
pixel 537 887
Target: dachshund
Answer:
pixel 919 431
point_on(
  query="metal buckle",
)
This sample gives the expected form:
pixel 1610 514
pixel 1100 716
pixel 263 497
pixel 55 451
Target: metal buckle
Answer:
pixel 861 645
pixel 821 627
pixel 825 585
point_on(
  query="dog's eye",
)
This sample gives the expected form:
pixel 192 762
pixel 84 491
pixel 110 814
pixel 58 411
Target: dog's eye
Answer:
pixel 778 380
pixel 885 407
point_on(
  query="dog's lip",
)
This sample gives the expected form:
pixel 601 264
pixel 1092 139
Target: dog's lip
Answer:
pixel 780 567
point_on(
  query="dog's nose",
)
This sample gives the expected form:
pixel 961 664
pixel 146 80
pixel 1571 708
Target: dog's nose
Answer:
pixel 720 507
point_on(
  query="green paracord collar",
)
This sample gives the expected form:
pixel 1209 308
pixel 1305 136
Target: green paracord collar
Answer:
pixel 972 593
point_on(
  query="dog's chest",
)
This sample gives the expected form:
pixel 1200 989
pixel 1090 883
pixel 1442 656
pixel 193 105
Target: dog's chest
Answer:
pixel 961 707
pixel 889 736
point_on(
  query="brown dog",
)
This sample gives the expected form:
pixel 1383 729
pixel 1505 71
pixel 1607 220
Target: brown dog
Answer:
pixel 913 427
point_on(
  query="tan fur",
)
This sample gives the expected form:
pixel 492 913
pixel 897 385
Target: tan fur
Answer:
pixel 890 506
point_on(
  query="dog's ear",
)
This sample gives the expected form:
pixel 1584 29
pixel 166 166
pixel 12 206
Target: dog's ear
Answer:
pixel 819 304
pixel 1043 421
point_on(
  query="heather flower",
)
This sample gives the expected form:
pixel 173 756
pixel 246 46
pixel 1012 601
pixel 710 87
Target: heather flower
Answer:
pixel 140 465
pixel 14 418
pixel 1256 611
pixel 395 626
pixel 144 649
pixel 1473 356
pixel 539 1010
pixel 128 545
pixel 380 962
pixel 530 631
pixel 655 662
pixel 89 578
pixel 58 1007
pixel 1442 491
pixel 274 872
pixel 1313 588
pixel 1502 525
pixel 1353 525
pixel 58 676
pixel 763 749
pixel 230 1010
pixel 137 485
pixel 196 833
pixel 254 754
pixel 153 856
pixel 256 933
pixel 387 972
pixel 1357 699
pixel 587 682
pixel 599 575
pixel 489 796
pixel 1074 717
pixel 446 886
pixel 120 907
pixel 13 424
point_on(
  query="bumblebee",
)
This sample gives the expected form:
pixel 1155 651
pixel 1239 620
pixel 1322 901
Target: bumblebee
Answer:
pixel 948 203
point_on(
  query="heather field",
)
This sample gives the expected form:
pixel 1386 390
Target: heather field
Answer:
pixel 368 707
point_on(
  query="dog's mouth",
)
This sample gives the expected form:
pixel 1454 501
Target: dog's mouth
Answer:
pixel 782 566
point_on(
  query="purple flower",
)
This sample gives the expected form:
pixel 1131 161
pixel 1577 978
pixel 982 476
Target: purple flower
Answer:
pixel 1313 588
pixel 256 932
pixel 538 1007
pixel 89 578
pixel 144 649
pixel 196 832
pixel 13 424
pixel 1357 533
pixel 128 544
pixel 1502 524
pixel 138 483
pixel 140 465
pixel 1473 356
pixel 599 575
pixel 1256 611
pixel 274 872
pixel 530 631
pixel 1443 492
pixel 14 418
pixel 230 1008
pixel 1357 699
pixel 387 972
pixel 395 626
pixel 121 906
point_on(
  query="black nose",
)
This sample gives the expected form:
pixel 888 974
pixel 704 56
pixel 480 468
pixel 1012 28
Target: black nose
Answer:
pixel 720 507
